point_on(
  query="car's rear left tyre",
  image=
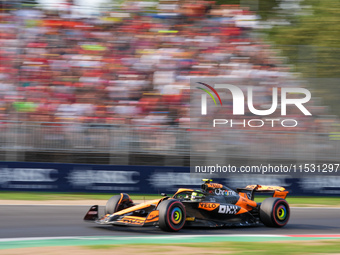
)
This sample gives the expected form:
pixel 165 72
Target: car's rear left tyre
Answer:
pixel 117 203
pixel 172 215
pixel 274 212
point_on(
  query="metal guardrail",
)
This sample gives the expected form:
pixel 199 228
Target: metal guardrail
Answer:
pixel 17 137
pixel 46 136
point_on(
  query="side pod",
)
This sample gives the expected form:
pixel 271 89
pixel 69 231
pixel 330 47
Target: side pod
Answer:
pixel 92 214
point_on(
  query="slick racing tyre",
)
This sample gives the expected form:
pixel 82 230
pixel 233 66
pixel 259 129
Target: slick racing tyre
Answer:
pixel 117 203
pixel 171 215
pixel 274 212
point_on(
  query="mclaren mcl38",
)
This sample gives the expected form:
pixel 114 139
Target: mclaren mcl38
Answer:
pixel 214 205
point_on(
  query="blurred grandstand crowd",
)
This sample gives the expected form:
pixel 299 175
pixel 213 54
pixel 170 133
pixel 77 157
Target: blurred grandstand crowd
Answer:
pixel 131 65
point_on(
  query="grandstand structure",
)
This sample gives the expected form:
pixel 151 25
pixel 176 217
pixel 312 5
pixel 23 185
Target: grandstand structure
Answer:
pixel 115 88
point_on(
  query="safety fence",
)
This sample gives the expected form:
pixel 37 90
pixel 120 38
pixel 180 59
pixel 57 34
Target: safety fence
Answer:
pixel 18 139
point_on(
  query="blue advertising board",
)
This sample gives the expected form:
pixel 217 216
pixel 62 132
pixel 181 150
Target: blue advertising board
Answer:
pixel 55 177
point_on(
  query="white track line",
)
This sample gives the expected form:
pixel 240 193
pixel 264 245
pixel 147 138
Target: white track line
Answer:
pixel 129 237
pixel 315 207
pixel 147 237
pixel 45 205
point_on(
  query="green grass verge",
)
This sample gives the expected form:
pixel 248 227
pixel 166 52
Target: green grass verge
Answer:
pixel 41 196
pixel 321 247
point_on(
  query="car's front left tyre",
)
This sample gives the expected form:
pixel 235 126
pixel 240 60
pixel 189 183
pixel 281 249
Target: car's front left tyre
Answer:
pixel 117 203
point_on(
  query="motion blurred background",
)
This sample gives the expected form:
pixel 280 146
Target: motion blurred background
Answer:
pixel 107 82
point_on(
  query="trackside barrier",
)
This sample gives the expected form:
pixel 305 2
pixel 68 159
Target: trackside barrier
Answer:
pixel 54 177
pixel 20 140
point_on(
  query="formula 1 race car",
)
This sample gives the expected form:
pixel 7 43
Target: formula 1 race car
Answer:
pixel 214 205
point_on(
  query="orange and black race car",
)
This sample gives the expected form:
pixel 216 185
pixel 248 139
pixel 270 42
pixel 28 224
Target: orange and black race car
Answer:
pixel 214 205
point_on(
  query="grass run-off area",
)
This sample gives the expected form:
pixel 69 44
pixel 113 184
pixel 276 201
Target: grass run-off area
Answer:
pixel 295 247
pixel 40 196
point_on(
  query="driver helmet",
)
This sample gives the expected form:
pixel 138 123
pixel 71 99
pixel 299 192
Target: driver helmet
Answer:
pixel 193 196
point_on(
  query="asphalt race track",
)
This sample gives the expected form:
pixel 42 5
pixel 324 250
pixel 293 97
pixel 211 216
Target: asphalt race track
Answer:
pixel 53 221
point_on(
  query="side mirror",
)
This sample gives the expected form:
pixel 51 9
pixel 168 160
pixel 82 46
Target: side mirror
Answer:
pixel 163 194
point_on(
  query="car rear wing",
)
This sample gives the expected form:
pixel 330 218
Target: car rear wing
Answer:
pixel 250 190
